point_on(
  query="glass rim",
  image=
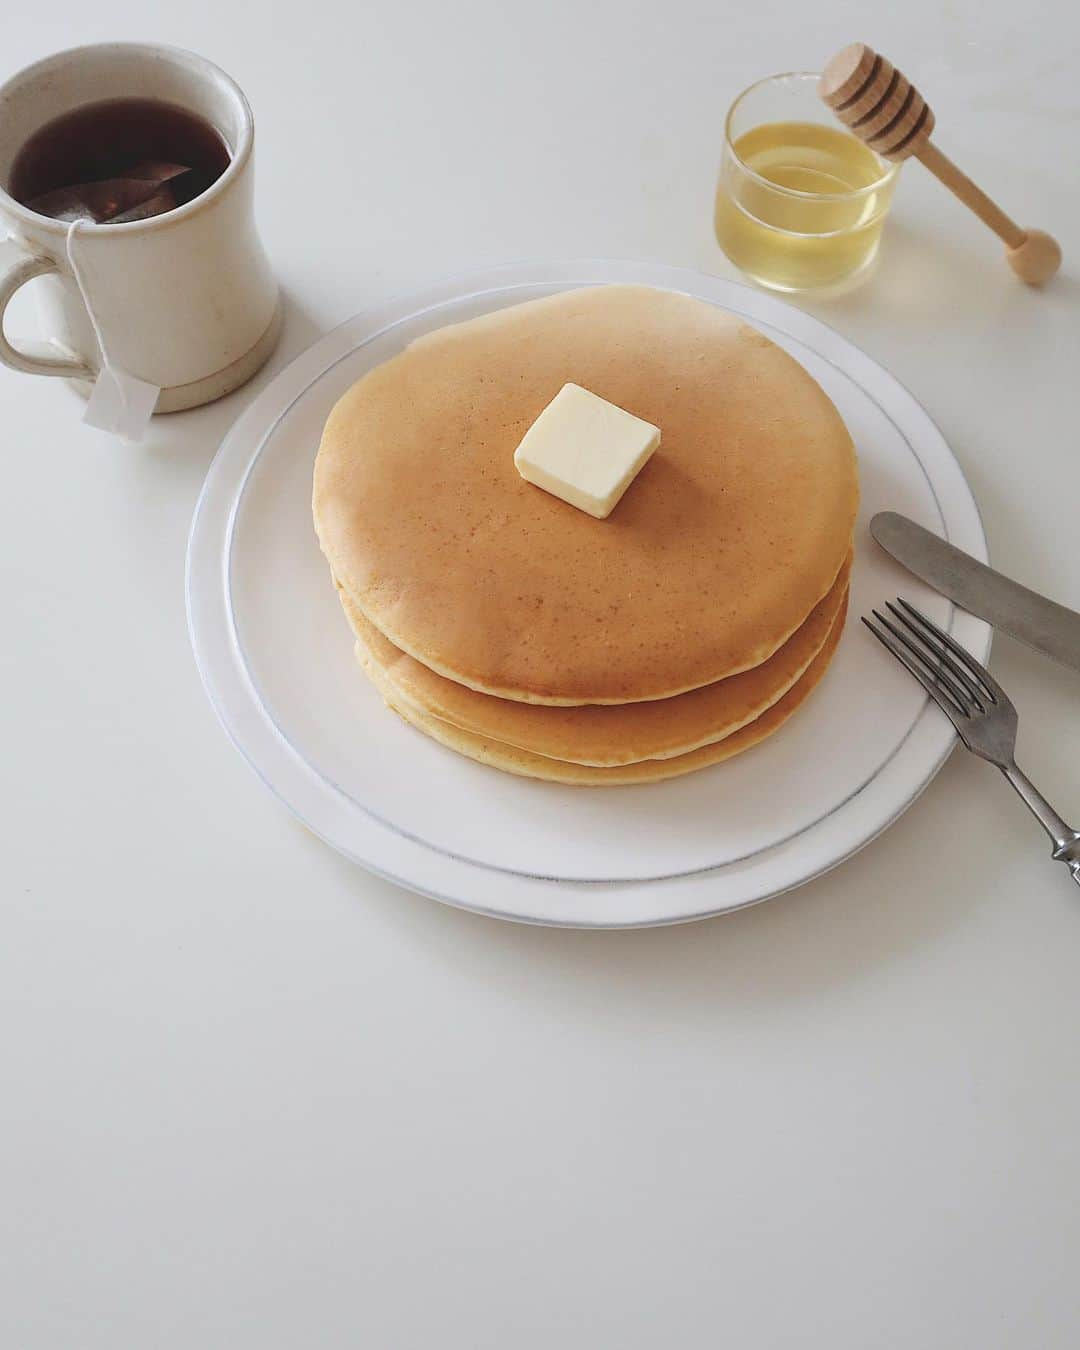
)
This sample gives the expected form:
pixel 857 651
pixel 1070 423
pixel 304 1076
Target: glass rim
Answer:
pixel 889 173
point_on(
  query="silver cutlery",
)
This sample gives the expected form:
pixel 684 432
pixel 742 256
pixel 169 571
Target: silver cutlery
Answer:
pixel 978 707
pixel 1050 628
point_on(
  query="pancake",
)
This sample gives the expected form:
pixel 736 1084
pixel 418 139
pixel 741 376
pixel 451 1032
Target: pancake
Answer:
pixel 719 550
pixel 604 735
pixel 513 760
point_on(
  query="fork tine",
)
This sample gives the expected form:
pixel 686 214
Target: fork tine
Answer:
pixel 993 689
pixel 940 652
pixel 936 670
pixel 894 646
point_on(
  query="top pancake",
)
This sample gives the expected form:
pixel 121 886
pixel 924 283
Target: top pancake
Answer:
pixel 728 538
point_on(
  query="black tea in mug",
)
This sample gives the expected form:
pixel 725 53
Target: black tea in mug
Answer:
pixel 118 160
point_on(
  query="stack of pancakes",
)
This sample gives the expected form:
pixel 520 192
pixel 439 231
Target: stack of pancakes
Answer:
pixel 522 632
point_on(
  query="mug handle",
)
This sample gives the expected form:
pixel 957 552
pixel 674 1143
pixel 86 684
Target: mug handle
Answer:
pixel 31 359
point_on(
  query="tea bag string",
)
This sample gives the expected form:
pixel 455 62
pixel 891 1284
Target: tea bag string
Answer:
pixel 119 401
pixel 80 281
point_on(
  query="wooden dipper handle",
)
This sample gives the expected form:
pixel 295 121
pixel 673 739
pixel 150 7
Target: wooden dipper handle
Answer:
pixel 884 109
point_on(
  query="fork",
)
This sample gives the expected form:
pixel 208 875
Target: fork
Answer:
pixel 978 707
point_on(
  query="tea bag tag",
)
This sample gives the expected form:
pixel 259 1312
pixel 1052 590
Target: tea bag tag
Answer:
pixel 119 401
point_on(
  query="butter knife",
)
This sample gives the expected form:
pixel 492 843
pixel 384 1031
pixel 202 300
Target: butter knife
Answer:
pixel 1048 627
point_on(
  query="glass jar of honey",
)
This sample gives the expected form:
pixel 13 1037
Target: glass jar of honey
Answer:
pixel 801 202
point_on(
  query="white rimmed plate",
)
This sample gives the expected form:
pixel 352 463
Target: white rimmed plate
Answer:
pixel 276 659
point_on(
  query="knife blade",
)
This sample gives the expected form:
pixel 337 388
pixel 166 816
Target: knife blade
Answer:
pixel 1048 627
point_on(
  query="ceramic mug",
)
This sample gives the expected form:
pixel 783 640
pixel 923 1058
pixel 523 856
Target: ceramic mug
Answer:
pixel 185 300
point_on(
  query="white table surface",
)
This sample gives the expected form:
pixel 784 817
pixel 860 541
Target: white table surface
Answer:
pixel 252 1097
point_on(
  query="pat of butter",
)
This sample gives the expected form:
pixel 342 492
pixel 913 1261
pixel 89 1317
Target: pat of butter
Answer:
pixel 585 450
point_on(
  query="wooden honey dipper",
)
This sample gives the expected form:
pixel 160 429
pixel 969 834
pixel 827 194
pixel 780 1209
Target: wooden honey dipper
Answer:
pixel 885 110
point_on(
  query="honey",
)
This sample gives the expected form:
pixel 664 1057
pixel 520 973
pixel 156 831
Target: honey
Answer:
pixel 800 205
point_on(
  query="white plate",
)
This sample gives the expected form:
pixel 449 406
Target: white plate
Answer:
pixel 276 658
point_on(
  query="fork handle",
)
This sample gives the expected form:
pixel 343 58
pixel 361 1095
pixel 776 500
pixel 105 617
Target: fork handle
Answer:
pixel 1065 839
